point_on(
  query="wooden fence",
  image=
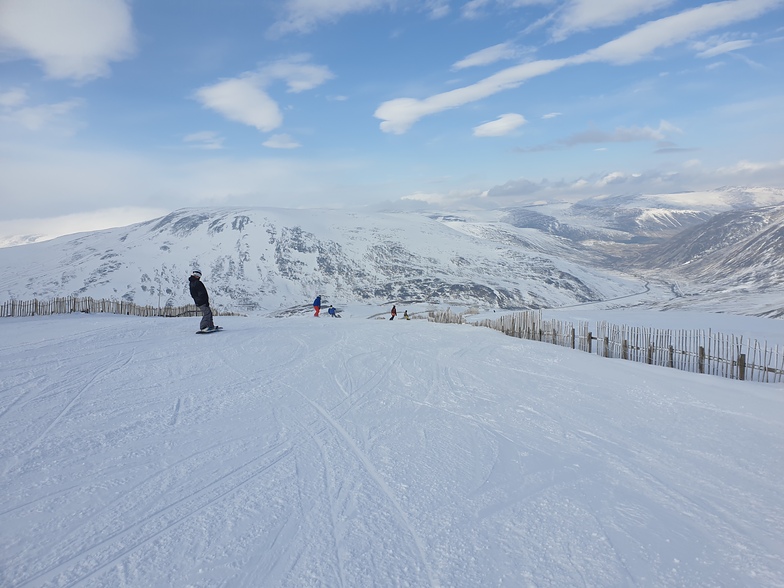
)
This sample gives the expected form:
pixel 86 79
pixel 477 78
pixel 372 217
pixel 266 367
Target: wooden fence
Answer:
pixel 25 308
pixel 696 351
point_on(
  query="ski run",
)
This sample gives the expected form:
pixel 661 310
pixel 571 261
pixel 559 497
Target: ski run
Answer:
pixel 360 453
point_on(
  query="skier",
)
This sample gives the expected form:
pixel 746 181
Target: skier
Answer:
pixel 317 305
pixel 332 312
pixel 202 300
pixel 393 312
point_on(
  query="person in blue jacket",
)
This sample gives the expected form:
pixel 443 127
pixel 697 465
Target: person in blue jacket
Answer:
pixel 317 305
pixel 332 312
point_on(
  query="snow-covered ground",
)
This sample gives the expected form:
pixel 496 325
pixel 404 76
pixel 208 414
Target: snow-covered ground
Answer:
pixel 362 452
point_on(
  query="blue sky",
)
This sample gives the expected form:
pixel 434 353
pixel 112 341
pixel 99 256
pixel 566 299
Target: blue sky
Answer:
pixel 114 111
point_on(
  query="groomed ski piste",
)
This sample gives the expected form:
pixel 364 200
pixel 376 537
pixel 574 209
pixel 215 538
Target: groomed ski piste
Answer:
pixel 362 452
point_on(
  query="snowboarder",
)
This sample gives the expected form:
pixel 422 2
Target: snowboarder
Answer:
pixel 405 315
pixel 317 305
pixel 393 312
pixel 202 300
pixel 332 312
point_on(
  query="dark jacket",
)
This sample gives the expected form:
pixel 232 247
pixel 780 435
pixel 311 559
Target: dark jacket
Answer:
pixel 198 292
pixel 317 301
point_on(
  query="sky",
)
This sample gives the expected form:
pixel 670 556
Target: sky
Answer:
pixel 369 452
pixel 116 111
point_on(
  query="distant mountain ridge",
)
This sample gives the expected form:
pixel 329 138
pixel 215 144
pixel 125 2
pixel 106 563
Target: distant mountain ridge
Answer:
pixel 267 258
pixel 542 255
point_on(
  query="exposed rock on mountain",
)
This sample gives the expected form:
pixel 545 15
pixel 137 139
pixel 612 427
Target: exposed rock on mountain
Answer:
pixel 269 258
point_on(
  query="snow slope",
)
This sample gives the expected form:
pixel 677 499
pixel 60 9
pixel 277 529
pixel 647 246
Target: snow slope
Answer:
pixel 356 452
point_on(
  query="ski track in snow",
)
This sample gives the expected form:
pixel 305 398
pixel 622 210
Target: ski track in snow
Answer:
pixel 306 452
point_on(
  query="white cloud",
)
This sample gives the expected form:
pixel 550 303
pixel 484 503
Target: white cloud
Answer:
pixel 282 141
pixel 582 15
pixel 444 198
pixel 611 178
pixel 668 31
pixel 71 39
pixel 550 115
pixel 489 55
pixel 205 140
pixel 398 115
pixel 296 72
pixel 243 101
pixel 503 125
pixel 428 197
pixel 744 167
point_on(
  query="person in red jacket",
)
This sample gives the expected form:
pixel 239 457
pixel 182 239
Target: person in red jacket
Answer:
pixel 393 312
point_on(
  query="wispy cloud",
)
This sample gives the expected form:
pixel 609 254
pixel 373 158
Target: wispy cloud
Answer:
pixel 691 175
pixel 205 140
pixel 398 115
pixel 71 40
pixel 595 136
pixel 297 73
pixel 706 50
pixel 503 125
pixel 582 15
pixel 622 135
pixel 13 97
pixel 304 16
pixel 14 110
pixel 282 141
pixel 488 56
pixel 476 9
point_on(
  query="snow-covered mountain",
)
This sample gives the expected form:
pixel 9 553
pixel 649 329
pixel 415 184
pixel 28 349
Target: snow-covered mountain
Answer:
pixel 540 255
pixel 732 249
pixel 268 258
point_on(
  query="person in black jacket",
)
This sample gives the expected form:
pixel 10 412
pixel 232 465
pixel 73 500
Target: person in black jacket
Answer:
pixel 202 300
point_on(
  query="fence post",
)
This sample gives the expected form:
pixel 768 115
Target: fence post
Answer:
pixel 607 347
pixel 701 360
pixel 671 357
pixel 572 337
pixel 590 339
pixel 625 349
pixel 649 359
pixel 742 366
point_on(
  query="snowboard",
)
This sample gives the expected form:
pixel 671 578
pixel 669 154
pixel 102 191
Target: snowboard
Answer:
pixel 215 330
